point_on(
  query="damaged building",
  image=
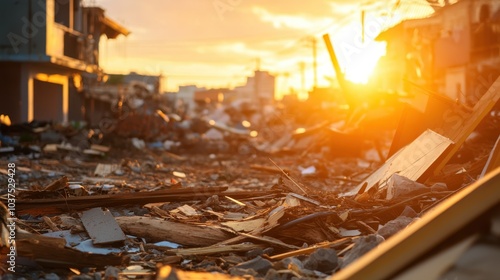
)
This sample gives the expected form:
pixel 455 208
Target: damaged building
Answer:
pixel 454 52
pixel 49 51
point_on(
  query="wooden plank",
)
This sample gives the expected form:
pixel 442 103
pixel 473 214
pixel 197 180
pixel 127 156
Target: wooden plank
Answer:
pixel 493 160
pixel 104 170
pixel 51 224
pixel 52 252
pixel 312 201
pixel 212 250
pixel 270 223
pixel 100 148
pixel 270 240
pixel 188 210
pixel 245 226
pixel 62 205
pixel 311 249
pixel 432 231
pixel 102 226
pixel 174 156
pixel 269 169
pixel 458 125
pixel 235 201
pixel 156 230
pixel 295 187
pixel 412 161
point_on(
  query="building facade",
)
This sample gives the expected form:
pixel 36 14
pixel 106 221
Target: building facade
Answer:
pixel 455 52
pixel 48 50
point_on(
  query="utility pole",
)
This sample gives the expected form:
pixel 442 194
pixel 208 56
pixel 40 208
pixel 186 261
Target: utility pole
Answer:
pixel 315 62
pixel 363 26
pixel 302 66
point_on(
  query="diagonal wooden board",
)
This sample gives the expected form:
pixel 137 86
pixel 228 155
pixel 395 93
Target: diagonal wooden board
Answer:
pixel 457 125
pixel 493 160
pixel 411 161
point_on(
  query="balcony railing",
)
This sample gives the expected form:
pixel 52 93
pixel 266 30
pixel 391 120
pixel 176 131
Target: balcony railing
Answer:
pixel 66 42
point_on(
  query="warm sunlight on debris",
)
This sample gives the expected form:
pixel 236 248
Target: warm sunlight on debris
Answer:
pixel 257 140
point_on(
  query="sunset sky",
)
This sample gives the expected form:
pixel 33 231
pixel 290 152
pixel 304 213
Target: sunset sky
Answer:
pixel 216 43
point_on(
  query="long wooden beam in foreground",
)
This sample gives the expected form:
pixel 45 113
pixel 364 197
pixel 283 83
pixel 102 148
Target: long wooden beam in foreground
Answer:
pixel 449 218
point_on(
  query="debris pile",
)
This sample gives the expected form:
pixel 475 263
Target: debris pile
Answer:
pixel 89 209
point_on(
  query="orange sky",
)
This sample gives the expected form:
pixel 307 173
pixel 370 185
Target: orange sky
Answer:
pixel 215 43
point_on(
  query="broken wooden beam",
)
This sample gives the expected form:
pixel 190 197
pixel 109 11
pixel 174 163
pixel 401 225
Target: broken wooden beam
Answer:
pixel 212 250
pixel 60 205
pixel 493 159
pixel 269 240
pixel 51 224
pixel 156 230
pixel 268 169
pixel 458 125
pixel 77 203
pixel 51 252
pixel 462 215
pixel 311 249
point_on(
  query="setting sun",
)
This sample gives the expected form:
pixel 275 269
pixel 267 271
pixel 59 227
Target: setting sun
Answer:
pixel 361 67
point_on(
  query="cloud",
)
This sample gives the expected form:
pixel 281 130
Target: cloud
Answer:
pixel 300 22
pixel 188 38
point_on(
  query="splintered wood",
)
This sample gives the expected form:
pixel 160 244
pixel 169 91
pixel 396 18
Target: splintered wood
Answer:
pixel 155 230
pixel 61 205
pixel 237 214
pixel 103 170
pixel 412 161
pixel 458 125
pixel 53 252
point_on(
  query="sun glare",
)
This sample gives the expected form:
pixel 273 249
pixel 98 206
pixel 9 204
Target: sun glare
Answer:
pixel 361 67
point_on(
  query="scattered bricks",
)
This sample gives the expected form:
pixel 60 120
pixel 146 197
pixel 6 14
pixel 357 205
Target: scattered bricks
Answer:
pixel 362 246
pixel 258 264
pixel 323 260
pixel 394 226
